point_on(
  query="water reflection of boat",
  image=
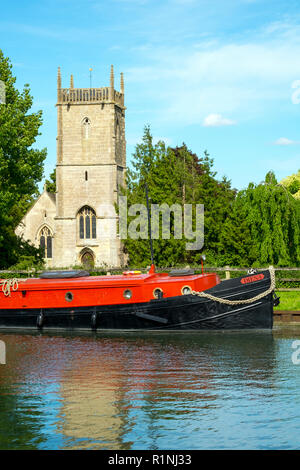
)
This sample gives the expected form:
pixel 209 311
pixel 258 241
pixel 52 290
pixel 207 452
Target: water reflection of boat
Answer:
pixel 115 391
pixel 180 300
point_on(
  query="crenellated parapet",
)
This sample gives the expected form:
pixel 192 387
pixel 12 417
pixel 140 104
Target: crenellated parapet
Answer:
pixel 90 95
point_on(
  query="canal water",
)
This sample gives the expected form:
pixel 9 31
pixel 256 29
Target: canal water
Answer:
pixel 151 391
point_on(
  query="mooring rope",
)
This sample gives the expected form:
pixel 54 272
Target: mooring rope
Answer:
pixel 9 285
pixel 245 301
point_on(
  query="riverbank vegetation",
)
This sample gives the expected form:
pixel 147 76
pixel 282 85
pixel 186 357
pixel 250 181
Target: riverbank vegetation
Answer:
pixel 288 301
pixel 21 166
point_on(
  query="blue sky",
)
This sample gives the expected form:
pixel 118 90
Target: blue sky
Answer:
pixel 219 75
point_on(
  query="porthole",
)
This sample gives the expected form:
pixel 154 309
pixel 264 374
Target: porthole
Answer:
pixel 69 296
pixel 157 293
pixel 127 294
pixel 186 290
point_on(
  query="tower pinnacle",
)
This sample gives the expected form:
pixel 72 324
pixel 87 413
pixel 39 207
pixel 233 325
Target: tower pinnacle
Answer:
pixel 58 85
pixel 122 84
pixel 112 76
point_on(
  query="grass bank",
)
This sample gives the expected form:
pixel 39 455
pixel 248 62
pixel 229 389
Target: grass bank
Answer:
pixel 288 300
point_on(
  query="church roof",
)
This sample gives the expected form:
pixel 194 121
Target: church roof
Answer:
pixel 52 196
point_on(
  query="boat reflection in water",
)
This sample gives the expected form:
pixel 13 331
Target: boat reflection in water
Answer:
pixel 133 391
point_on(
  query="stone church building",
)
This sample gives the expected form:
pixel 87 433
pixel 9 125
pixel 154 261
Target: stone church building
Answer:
pixel 78 224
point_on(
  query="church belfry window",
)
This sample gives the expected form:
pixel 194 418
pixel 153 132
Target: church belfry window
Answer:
pixel 87 223
pixel 86 125
pixel 117 130
pixel 45 239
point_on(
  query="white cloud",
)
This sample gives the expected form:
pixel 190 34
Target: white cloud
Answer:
pixel 285 141
pixel 242 78
pixel 215 120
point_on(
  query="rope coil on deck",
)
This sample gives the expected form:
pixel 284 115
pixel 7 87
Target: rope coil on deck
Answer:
pixel 9 285
pixel 245 301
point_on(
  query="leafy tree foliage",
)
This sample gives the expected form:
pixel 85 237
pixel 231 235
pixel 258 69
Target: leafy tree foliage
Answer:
pixel 253 227
pixel 264 226
pixel 176 176
pixel 292 183
pixel 21 166
pixel 51 183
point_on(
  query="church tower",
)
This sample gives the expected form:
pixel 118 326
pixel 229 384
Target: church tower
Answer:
pixel 91 163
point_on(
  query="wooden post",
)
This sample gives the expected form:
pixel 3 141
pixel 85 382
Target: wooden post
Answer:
pixel 227 272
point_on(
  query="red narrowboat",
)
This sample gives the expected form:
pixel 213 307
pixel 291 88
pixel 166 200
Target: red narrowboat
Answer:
pixel 179 300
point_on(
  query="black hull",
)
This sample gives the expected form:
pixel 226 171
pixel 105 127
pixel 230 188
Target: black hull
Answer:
pixel 185 312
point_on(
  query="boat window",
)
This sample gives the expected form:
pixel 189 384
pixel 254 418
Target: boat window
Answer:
pixel 158 293
pixel 69 296
pixel 186 290
pixel 127 294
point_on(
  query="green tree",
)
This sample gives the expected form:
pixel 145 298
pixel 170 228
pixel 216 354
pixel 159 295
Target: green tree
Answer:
pixel 21 166
pixel 176 176
pixel 263 227
pixel 51 183
pixel 292 183
pixel 152 164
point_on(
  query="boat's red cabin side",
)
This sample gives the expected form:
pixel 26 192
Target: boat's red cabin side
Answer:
pixel 103 290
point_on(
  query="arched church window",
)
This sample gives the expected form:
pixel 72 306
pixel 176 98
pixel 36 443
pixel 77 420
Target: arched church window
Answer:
pixel 87 222
pixel 81 226
pixel 93 226
pixel 45 237
pixel 87 226
pixel 42 244
pixel 86 125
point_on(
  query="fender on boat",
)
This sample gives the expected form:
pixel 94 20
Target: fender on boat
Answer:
pixel 181 272
pixel 63 274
